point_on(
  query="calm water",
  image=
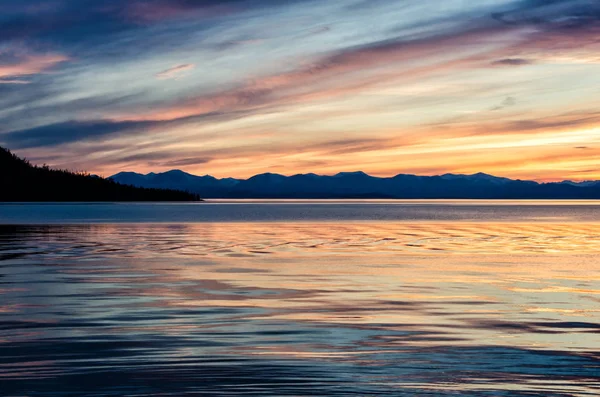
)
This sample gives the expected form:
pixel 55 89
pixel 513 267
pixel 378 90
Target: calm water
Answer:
pixel 302 211
pixel 420 299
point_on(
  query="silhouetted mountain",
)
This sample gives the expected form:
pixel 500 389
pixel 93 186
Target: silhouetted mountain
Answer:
pixel 178 180
pixel 582 183
pixel 21 181
pixel 479 177
pixel 360 185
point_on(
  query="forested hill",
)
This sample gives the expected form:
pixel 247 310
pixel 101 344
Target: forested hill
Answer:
pixel 21 181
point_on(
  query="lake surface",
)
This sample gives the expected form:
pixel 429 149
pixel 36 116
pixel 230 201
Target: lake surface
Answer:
pixel 358 298
pixel 302 211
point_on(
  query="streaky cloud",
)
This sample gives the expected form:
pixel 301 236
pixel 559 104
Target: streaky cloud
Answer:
pixel 67 132
pixel 175 71
pixel 19 64
pixel 512 62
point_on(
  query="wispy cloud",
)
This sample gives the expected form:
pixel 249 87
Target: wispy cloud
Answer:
pixel 20 65
pixel 72 131
pixel 512 62
pixel 13 81
pixel 175 71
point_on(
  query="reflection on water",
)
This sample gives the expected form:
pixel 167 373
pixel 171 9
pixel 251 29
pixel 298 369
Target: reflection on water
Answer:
pixel 415 309
pixel 302 211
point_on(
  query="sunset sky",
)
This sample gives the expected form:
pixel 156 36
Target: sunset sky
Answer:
pixel 236 88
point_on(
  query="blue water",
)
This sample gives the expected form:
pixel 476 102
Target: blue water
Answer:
pixel 299 299
pixel 300 211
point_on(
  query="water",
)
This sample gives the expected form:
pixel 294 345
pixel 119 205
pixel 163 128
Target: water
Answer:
pixel 491 299
pixel 302 211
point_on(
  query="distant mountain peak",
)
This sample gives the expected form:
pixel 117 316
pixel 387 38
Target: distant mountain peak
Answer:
pixel 580 183
pixel 176 172
pixel 310 174
pixel 352 173
pixel 269 175
pixel 479 176
pixel 122 173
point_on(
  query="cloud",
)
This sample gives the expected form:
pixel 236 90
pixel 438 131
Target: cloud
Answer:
pixel 161 158
pixel 558 122
pixel 20 65
pixel 187 161
pixel 97 30
pixel 506 103
pixel 78 24
pixel 67 132
pixel 350 146
pixel 310 81
pixel 229 45
pixel 538 124
pixel 14 81
pixel 358 68
pixel 552 13
pixel 512 62
pixel 175 71
pixel 320 30
pixel 157 10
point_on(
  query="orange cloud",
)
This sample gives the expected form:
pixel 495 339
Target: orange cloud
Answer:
pixel 29 65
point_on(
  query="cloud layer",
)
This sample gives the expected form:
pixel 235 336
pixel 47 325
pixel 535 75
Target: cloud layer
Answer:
pixel 238 87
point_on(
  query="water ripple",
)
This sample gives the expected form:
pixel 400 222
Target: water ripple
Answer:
pixel 399 309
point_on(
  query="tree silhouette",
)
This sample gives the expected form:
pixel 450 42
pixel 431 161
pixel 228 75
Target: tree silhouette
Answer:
pixel 22 181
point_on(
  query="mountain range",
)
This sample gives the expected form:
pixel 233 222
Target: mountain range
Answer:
pixel 361 185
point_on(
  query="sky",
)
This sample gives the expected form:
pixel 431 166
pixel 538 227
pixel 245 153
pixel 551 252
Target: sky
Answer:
pixel 234 88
